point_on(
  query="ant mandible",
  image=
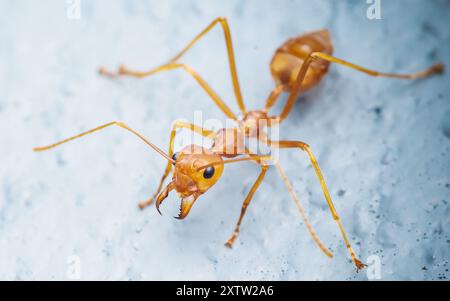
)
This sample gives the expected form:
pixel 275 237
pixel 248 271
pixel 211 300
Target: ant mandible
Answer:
pixel 297 66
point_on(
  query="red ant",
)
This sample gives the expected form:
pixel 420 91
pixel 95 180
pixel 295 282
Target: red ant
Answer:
pixel 297 66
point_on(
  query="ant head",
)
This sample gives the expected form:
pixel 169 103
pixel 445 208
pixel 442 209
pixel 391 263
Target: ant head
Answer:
pixel 196 169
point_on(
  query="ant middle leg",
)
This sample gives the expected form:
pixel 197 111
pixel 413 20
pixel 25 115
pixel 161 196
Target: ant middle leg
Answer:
pixel 177 125
pixel 304 147
pixel 301 210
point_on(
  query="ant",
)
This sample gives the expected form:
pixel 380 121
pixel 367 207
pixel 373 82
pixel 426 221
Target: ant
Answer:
pixel 297 66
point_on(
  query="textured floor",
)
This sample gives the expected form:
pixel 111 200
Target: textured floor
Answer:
pixel 384 145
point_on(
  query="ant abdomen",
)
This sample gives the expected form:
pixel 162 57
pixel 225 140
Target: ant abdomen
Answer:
pixel 289 58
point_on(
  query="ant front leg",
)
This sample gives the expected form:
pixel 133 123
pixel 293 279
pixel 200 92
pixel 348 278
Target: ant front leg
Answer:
pixel 177 125
pixel 247 200
pixel 305 147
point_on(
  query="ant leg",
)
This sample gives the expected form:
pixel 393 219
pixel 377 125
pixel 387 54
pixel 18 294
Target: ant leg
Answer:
pixel 435 69
pixel 177 125
pixel 247 200
pixel 231 61
pixel 301 210
pixel 117 123
pixel 273 97
pixel 170 66
pixel 304 147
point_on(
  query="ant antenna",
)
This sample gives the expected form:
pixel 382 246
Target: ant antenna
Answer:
pixel 117 123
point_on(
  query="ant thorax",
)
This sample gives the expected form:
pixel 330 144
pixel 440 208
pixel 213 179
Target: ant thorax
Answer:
pixel 254 123
pixel 229 142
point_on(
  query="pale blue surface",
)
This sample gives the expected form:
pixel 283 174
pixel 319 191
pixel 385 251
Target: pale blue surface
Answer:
pixel 384 145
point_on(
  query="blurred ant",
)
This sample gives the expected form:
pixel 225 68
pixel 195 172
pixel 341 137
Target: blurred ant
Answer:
pixel 297 66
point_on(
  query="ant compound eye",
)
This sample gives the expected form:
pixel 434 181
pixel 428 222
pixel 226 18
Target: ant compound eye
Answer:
pixel 175 156
pixel 209 172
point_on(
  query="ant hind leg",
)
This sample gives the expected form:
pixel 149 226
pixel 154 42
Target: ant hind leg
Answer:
pixel 295 90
